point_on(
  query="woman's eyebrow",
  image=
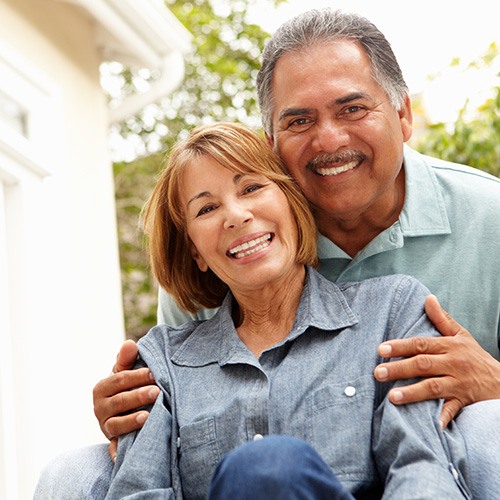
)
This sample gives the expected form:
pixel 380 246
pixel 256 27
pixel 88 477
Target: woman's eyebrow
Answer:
pixel 203 194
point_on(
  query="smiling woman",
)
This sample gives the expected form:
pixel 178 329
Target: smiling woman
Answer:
pixel 223 199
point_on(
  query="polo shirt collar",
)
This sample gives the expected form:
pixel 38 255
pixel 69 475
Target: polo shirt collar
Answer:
pixel 424 210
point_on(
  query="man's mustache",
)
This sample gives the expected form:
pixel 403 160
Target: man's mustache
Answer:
pixel 328 160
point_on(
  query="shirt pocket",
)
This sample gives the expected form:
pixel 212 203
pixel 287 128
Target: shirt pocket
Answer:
pixel 199 454
pixel 340 427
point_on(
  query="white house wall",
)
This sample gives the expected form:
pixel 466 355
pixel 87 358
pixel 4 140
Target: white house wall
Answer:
pixel 59 268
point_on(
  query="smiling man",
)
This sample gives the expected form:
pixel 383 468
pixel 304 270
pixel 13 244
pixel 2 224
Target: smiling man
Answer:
pixel 341 139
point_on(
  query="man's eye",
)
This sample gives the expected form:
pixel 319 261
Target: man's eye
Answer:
pixel 354 112
pixel 299 123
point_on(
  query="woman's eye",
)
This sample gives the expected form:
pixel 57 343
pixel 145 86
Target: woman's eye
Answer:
pixel 205 210
pixel 252 188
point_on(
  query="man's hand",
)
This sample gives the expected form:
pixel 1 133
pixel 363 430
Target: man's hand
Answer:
pixel 454 366
pixel 124 390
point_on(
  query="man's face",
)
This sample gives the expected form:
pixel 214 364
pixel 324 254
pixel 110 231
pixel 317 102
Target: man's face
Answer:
pixel 337 132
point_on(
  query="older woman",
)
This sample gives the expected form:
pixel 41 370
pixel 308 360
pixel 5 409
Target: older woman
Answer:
pixel 276 392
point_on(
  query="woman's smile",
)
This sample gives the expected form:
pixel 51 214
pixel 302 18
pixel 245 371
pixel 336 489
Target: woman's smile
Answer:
pixel 251 246
pixel 237 219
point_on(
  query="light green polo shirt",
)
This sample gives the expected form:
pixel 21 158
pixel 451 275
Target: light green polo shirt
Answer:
pixel 447 236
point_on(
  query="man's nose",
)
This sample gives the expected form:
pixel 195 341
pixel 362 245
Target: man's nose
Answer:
pixel 329 136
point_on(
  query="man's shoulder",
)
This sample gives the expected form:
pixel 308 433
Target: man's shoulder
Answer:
pixel 451 171
pixel 459 185
pixel 464 172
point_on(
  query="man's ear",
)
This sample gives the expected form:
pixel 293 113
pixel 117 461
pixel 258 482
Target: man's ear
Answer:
pixel 269 140
pixel 200 261
pixel 406 119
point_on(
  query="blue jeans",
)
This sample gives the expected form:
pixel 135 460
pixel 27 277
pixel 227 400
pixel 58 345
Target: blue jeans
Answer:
pixel 277 467
pixel 86 473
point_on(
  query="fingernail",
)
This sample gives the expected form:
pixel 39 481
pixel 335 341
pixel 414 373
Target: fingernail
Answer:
pixel 151 376
pixel 153 392
pixel 382 373
pixel 141 418
pixel 113 458
pixel 397 396
pixel 385 349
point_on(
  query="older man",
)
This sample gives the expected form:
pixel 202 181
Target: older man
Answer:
pixel 336 108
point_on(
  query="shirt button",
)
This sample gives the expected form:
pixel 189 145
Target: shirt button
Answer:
pixel 258 437
pixel 350 391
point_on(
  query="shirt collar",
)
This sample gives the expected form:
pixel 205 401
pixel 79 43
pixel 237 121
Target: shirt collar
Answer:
pixel 322 306
pixel 424 210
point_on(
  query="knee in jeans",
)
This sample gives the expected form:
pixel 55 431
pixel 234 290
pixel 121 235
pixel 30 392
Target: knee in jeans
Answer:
pixel 272 457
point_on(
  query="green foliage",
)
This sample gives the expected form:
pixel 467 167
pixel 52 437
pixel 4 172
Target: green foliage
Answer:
pixel 219 85
pixel 133 185
pixel 474 138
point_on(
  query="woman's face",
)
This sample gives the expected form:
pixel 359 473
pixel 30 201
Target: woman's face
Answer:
pixel 241 225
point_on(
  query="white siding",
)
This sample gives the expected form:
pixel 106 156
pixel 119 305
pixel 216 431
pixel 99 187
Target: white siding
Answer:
pixel 60 299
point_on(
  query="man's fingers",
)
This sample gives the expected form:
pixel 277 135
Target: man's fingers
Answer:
pixel 418 366
pixel 109 410
pixel 443 322
pixel 112 448
pixel 131 400
pixel 427 389
pixel 450 411
pixel 430 388
pixel 118 426
pixel 126 357
pixel 399 348
pixel 123 381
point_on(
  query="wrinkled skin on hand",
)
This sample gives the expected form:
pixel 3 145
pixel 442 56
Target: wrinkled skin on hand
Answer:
pixel 117 396
pixel 454 366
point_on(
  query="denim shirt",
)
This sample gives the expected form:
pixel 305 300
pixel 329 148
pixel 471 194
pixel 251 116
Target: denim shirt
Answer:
pixel 317 385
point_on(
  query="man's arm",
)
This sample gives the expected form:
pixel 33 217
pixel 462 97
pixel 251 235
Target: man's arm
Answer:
pixel 123 391
pixel 454 367
pixel 126 390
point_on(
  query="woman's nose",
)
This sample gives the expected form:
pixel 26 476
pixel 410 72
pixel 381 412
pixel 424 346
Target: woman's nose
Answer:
pixel 236 216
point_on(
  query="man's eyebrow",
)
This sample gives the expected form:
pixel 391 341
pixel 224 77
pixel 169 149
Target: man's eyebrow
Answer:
pixel 294 112
pixel 353 97
pixel 287 112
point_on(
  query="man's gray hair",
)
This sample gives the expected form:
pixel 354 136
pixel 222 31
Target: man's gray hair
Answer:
pixel 325 25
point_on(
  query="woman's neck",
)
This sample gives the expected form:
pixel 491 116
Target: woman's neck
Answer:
pixel 265 318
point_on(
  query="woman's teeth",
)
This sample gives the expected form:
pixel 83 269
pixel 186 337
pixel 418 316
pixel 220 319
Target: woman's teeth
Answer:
pixel 250 247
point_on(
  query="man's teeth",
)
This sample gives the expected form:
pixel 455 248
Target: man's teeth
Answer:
pixel 337 170
pixel 250 247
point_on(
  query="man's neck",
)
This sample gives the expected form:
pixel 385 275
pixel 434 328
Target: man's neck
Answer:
pixel 353 232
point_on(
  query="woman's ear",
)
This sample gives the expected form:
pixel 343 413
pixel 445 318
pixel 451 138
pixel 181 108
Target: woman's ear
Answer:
pixel 202 265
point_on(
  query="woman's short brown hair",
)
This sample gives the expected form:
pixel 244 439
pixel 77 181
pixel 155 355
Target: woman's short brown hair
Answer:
pixel 240 150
